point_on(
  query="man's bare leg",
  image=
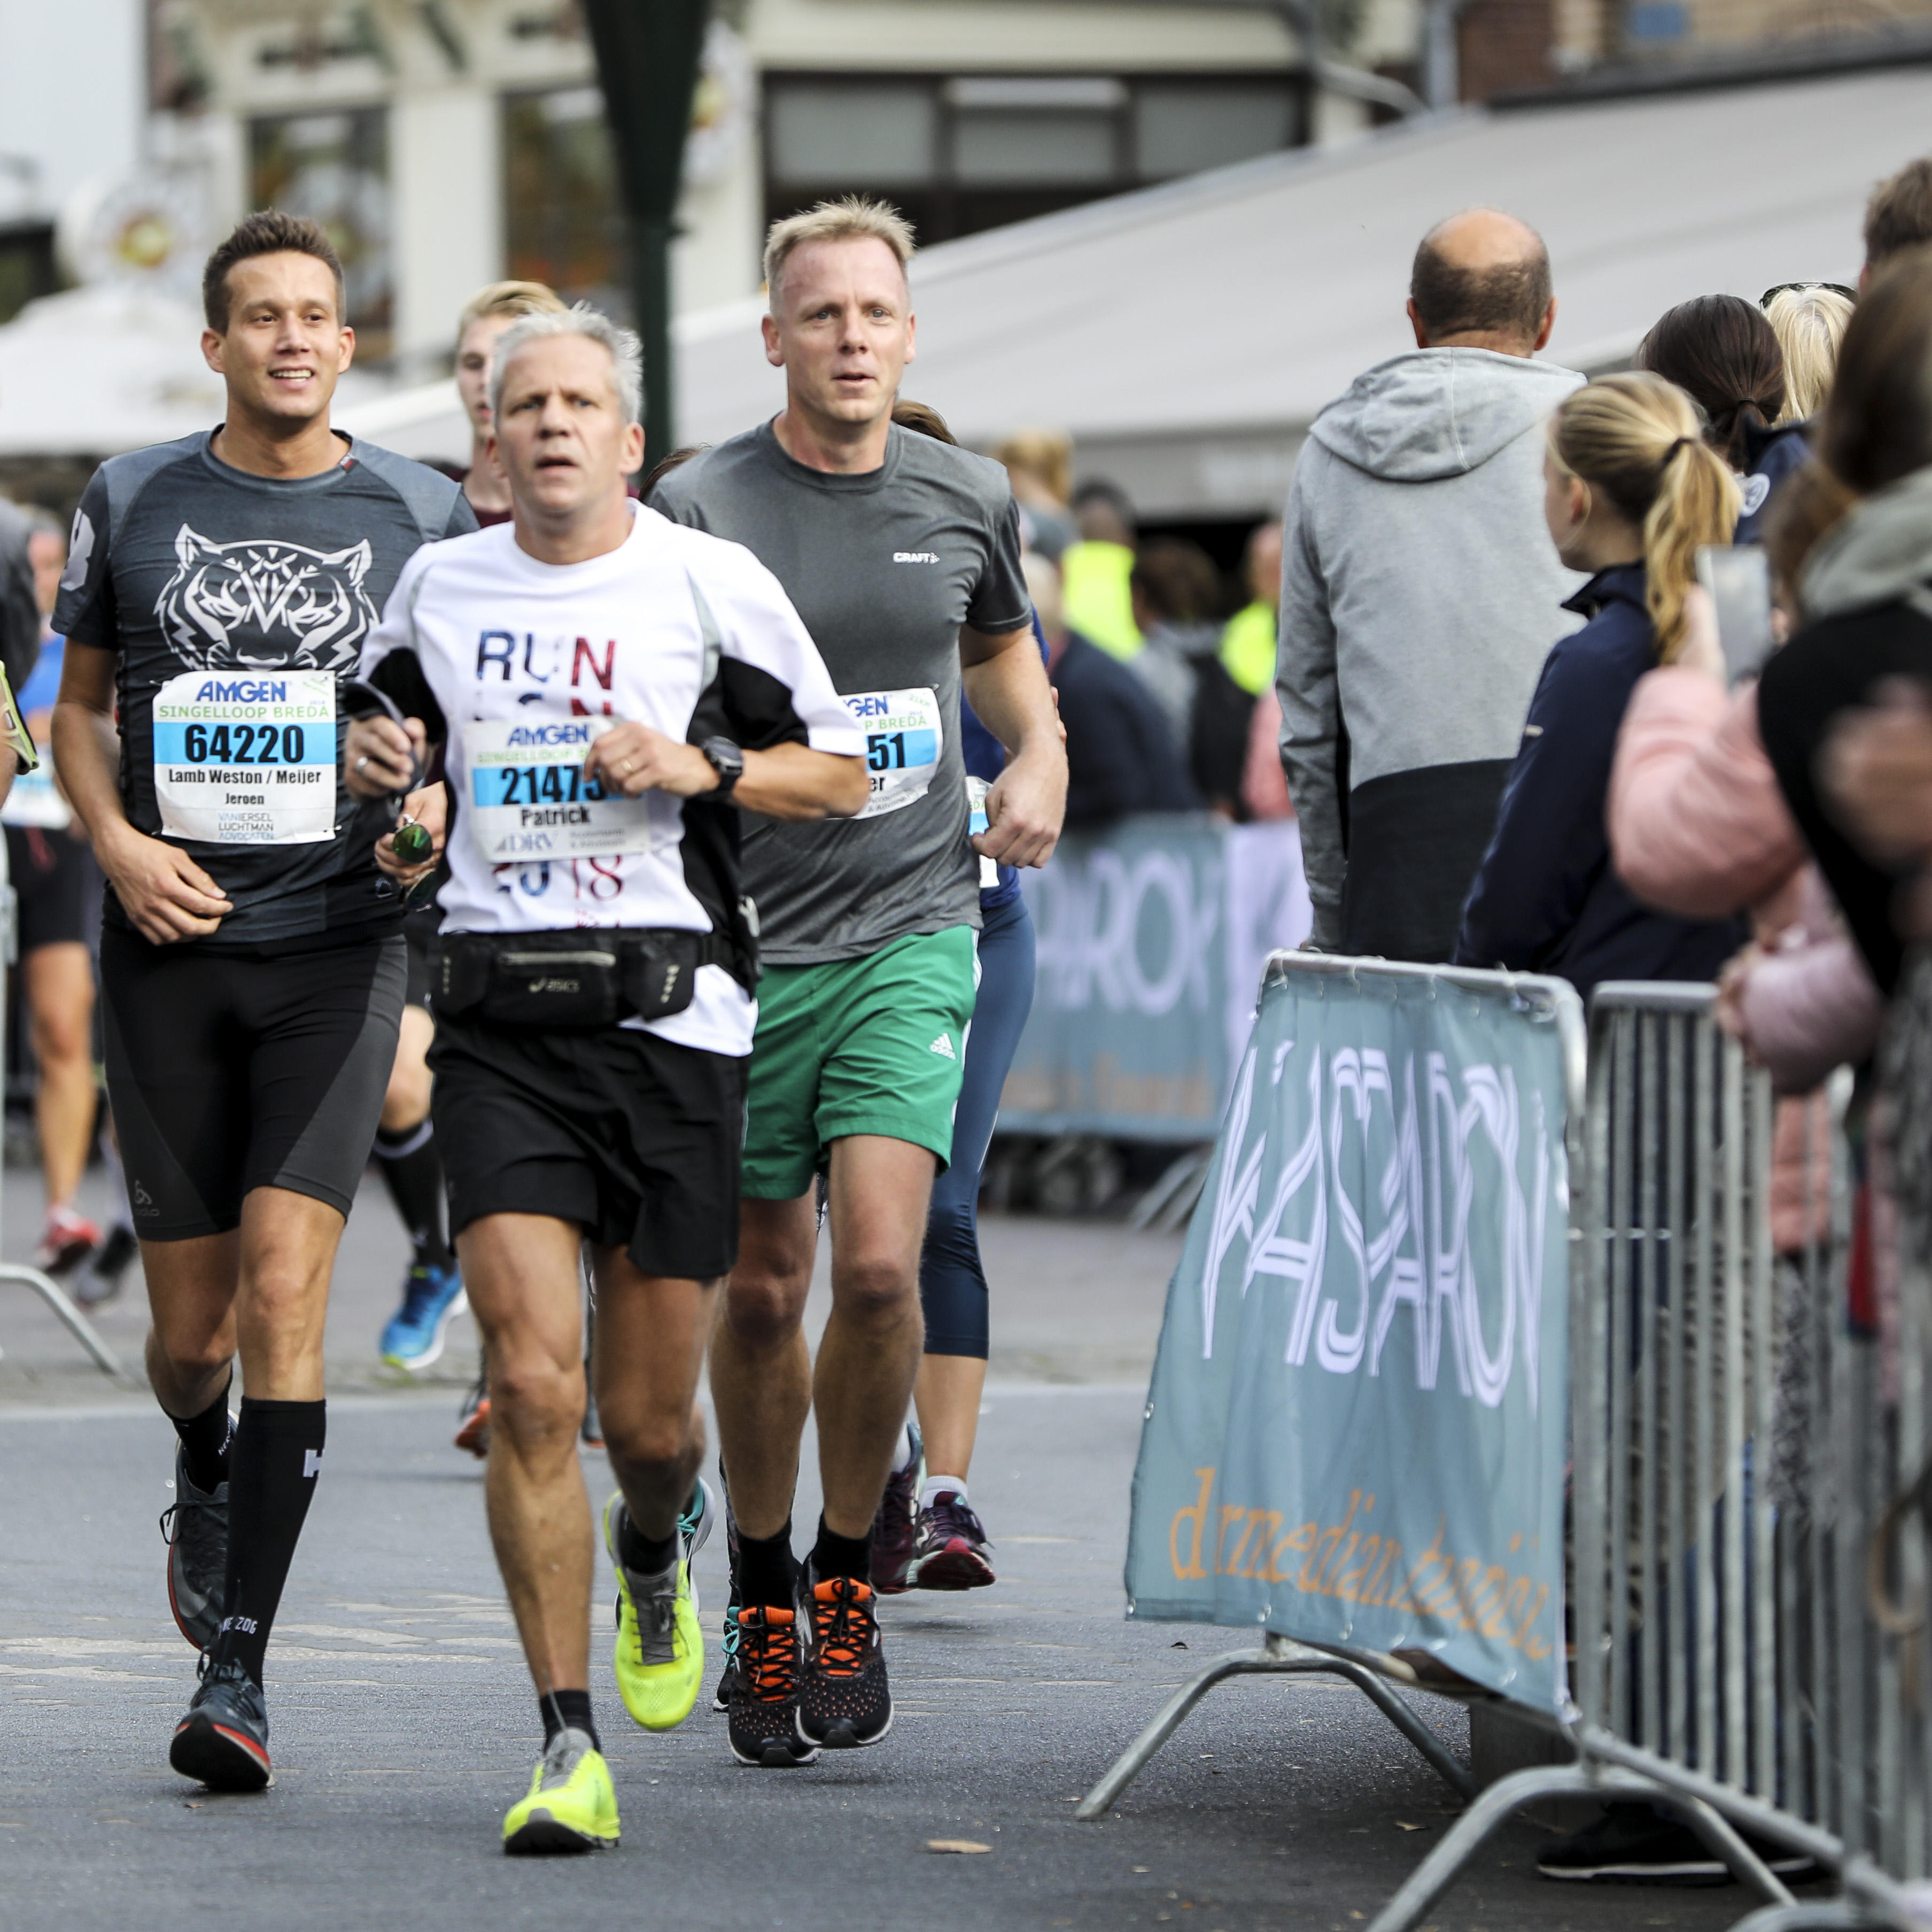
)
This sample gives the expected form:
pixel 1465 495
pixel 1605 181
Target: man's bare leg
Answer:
pixel 522 1270
pixel 761 1366
pixel 869 1357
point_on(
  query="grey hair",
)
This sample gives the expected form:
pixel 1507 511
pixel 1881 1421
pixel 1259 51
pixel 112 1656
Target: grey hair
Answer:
pixel 626 352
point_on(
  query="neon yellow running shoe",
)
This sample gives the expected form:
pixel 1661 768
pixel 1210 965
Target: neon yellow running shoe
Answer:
pixel 571 1806
pixel 660 1653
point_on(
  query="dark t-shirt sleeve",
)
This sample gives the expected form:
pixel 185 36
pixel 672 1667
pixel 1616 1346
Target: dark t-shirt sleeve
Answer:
pixel 1001 600
pixel 399 676
pixel 86 611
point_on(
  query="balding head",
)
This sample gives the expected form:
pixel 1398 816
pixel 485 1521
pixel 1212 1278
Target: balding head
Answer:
pixel 1481 281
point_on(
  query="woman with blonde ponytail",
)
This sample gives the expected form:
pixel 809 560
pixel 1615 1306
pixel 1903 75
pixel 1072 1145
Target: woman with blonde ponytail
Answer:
pixel 1631 491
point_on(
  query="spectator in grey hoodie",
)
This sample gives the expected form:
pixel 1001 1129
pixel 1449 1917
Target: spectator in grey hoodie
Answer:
pixel 1421 595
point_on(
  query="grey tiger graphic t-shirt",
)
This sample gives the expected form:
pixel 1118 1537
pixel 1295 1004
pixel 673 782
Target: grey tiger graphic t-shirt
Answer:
pixel 236 606
pixel 884 567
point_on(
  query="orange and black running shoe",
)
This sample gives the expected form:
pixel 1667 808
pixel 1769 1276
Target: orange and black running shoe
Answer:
pixel 844 1700
pixel 763 1709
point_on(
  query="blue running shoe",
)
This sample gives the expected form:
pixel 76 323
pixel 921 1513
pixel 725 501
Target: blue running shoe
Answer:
pixel 433 1297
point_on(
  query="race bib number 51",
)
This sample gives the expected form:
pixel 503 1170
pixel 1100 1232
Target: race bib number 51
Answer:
pixel 529 798
pixel 903 739
pixel 242 759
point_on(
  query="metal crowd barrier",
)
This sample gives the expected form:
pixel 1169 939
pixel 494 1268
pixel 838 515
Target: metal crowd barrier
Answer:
pixel 1736 1443
pixel 1751 1517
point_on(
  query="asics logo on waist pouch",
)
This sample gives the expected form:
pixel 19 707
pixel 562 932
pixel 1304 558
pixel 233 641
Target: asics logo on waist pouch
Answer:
pixel 590 977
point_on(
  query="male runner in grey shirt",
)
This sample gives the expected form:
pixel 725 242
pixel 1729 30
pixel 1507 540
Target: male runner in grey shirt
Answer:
pixel 902 556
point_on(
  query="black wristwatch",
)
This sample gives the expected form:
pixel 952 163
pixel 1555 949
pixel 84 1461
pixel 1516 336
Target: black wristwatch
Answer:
pixel 727 760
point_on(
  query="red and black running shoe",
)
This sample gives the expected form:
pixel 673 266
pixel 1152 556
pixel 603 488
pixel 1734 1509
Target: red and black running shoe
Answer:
pixel 763 1710
pixel 951 1552
pixel 223 1740
pixel 844 1700
pixel 896 1527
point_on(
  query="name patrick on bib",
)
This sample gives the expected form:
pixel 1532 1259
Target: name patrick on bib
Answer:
pixel 529 798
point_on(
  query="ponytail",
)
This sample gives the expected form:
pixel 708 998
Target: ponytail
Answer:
pixel 1640 440
pixel 1697 503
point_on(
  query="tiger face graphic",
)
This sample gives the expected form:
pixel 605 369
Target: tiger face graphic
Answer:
pixel 264 604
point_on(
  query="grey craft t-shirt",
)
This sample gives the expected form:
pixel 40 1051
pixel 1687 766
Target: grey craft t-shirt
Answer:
pixel 884 567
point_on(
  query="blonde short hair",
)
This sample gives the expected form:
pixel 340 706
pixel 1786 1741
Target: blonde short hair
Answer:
pixel 1046 455
pixel 514 299
pixel 1809 324
pixel 854 217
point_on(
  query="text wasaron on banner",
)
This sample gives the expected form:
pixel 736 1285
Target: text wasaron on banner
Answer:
pixel 1356 1431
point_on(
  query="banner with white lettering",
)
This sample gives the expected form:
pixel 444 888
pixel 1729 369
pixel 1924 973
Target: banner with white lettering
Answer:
pixel 1356 1431
pixel 1150 939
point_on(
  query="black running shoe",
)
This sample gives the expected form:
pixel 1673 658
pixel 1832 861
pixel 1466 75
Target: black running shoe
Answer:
pixel 223 1740
pixel 195 1527
pixel 951 1552
pixel 98 1278
pixel 844 1700
pixel 763 1723
pixel 896 1527
pixel 1634 1844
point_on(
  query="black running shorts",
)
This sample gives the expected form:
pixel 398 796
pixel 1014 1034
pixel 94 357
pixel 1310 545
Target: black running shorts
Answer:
pixel 633 1138
pixel 419 930
pixel 57 887
pixel 229 1072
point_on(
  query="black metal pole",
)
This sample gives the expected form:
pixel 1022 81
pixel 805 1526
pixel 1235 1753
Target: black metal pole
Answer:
pixel 647 59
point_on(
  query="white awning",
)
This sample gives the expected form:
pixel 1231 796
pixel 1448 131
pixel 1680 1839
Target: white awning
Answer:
pixel 1187 335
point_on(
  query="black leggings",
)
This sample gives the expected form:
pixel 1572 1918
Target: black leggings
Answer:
pixel 952 1280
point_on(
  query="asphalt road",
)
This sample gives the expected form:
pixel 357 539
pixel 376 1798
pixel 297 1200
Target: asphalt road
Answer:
pixel 403 1724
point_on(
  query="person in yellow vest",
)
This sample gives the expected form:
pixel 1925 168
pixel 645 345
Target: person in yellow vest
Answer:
pixel 1247 641
pixel 1096 593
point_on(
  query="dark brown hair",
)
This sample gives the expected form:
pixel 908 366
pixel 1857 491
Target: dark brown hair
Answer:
pixel 664 465
pixel 923 420
pixel 267 232
pixel 1723 353
pixel 1876 427
pixel 1899 215
pixel 1178 580
pixel 1510 300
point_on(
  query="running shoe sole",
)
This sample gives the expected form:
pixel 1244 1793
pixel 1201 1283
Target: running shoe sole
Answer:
pixel 951 1570
pixel 541 1836
pixel 214 1755
pixel 780 1754
pixel 432 1354
pixel 840 1735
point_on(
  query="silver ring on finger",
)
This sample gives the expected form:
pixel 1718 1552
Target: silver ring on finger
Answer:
pixel 361 764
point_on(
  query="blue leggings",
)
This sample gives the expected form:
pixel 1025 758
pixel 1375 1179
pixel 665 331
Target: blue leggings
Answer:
pixel 952 1282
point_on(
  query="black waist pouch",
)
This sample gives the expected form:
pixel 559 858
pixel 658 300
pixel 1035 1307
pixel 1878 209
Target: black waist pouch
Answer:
pixel 593 977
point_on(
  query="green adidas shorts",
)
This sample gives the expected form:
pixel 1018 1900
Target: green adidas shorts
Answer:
pixel 857 1046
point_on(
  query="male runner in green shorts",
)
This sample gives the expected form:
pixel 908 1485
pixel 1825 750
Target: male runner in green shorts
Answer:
pixel 902 555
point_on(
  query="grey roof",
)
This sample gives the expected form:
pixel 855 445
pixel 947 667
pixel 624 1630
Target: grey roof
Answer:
pixel 1188 334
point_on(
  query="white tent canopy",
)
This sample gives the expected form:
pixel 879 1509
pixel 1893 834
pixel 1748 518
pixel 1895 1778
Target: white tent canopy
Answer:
pixel 1187 335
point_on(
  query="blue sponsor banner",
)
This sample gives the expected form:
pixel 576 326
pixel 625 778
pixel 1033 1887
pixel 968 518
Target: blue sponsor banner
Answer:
pixel 1356 1430
pixel 1150 939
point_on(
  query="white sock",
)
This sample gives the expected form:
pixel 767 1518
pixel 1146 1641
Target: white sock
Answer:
pixel 933 1485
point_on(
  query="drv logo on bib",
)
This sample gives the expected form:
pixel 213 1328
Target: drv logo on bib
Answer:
pixel 903 738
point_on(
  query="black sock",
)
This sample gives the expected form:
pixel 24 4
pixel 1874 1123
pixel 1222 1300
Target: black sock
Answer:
pixel 567 1711
pixel 204 1439
pixel 272 1466
pixel 649 1555
pixel 413 1173
pixel 835 1555
pixel 767 1570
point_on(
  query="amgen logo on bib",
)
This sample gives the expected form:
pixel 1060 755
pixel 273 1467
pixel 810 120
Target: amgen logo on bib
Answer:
pixel 576 733
pixel 243 691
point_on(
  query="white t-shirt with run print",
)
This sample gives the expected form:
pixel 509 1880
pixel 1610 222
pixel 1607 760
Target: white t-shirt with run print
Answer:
pixel 516 666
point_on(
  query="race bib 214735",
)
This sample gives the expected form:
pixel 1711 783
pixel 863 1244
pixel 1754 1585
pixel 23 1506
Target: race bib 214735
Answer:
pixel 529 798
pixel 903 737
pixel 246 758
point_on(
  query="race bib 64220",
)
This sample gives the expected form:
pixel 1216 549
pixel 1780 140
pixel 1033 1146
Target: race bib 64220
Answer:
pixel 247 758
pixel 529 798
pixel 903 737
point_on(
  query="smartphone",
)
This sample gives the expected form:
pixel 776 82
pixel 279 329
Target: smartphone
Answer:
pixel 1738 578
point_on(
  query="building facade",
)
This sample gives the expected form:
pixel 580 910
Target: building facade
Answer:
pixel 448 143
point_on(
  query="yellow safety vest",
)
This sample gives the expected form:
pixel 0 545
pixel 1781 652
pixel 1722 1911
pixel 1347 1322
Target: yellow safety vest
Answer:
pixel 1095 598
pixel 1248 648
